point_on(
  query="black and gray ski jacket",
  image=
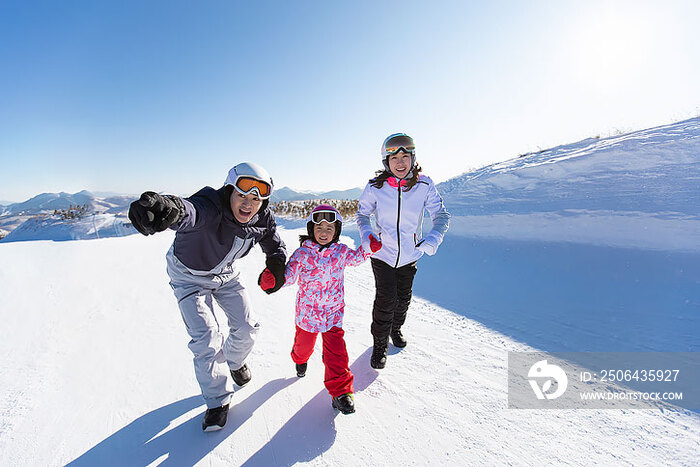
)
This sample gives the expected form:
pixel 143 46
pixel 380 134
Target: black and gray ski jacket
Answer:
pixel 209 239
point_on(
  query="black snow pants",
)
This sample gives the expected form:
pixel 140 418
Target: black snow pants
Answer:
pixel 394 289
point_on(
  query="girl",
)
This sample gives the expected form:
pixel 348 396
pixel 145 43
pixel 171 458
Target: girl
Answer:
pixel 397 197
pixel 318 266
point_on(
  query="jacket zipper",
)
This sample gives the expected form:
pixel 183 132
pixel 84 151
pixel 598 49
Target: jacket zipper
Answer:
pixel 398 230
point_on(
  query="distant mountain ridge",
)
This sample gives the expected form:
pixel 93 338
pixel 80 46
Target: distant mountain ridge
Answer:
pixel 288 194
pixel 34 218
pixel 113 202
pixel 62 200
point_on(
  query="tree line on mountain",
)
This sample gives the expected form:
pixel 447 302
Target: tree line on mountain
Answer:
pixel 73 212
pixel 301 209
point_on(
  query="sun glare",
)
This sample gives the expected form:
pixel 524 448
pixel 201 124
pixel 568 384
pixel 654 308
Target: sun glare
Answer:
pixel 610 48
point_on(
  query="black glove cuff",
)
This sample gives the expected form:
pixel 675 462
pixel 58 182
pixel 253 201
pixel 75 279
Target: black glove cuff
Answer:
pixel 179 206
pixel 275 265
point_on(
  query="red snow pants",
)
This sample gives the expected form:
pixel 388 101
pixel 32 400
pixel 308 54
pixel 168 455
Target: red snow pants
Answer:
pixel 338 378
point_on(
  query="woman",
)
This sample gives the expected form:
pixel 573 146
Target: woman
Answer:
pixel 398 196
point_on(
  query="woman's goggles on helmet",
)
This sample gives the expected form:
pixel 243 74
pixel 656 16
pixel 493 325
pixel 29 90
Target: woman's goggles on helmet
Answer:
pixel 320 216
pixel 245 185
pixel 398 143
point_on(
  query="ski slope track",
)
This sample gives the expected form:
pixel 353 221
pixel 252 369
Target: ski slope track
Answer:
pixel 96 371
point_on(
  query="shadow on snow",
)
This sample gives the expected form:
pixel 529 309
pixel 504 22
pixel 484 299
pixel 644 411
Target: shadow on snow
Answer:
pixel 308 434
pixel 311 431
pixel 561 297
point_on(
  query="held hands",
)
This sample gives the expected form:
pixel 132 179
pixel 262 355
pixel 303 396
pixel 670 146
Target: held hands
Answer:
pixel 267 280
pixel 272 278
pixel 374 244
pixel 154 213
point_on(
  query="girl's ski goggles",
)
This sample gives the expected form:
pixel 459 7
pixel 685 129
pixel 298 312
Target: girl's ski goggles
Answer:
pixel 245 185
pixel 327 216
pixel 398 143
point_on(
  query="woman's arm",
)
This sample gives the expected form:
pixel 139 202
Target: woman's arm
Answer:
pixel 367 206
pixel 440 218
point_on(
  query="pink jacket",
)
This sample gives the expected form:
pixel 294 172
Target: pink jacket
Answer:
pixel 320 300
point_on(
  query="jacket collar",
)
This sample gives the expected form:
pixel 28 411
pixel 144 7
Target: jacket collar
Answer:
pixel 317 248
pixel 395 182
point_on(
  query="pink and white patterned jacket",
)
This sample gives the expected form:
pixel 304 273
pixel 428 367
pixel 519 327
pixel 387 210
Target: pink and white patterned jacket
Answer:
pixel 320 299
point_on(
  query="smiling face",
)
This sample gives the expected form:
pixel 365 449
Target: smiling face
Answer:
pixel 400 164
pixel 244 207
pixel 324 232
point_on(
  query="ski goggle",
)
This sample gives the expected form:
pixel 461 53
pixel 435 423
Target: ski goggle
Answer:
pixel 399 143
pixel 245 185
pixel 327 216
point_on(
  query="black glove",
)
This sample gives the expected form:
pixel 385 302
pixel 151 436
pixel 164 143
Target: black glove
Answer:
pixel 276 266
pixel 154 213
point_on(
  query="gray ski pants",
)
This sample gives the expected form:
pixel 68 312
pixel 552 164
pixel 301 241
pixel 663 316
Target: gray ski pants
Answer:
pixel 214 354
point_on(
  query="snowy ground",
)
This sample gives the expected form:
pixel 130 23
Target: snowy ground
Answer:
pixel 95 370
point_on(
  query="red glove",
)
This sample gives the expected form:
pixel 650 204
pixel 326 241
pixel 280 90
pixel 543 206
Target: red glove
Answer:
pixel 267 280
pixel 374 244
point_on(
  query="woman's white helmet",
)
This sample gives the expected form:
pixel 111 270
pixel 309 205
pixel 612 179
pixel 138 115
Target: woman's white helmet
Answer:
pixel 395 143
pixel 243 178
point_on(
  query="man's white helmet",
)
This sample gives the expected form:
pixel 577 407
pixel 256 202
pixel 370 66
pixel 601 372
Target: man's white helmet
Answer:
pixel 247 177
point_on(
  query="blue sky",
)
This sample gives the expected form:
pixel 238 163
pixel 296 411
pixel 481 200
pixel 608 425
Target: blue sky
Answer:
pixel 168 95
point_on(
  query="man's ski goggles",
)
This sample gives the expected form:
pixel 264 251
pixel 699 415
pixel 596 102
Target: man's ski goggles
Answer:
pixel 245 185
pixel 327 216
pixel 398 143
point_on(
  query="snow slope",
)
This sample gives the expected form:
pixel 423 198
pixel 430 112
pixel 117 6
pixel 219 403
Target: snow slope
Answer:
pixel 92 226
pixel 591 246
pixel 95 370
pixel 640 189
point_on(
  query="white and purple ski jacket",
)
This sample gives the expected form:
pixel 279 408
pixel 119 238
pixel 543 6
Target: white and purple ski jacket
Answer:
pixel 398 215
pixel 320 299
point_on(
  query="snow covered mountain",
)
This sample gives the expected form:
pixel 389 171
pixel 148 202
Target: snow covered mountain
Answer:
pixel 35 219
pixel 638 189
pixel 51 201
pixel 288 194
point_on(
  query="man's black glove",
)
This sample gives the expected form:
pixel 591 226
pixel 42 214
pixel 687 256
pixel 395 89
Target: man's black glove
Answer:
pixel 276 266
pixel 154 213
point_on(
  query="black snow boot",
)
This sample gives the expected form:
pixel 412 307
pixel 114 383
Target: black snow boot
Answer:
pixel 344 403
pixel 378 359
pixel 215 419
pixel 397 338
pixel 301 370
pixel 241 376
